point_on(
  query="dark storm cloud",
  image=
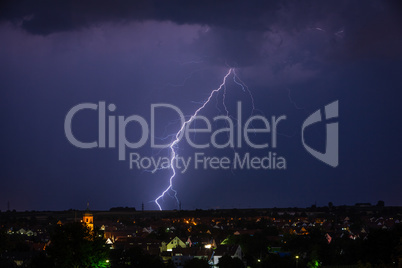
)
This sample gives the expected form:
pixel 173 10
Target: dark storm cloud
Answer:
pixel 46 17
pixel 234 19
pixel 231 47
pixel 238 29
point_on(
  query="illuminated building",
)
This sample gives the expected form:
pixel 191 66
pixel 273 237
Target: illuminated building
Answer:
pixel 88 219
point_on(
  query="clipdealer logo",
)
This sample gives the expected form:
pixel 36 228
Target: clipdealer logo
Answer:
pixel 112 134
pixel 331 154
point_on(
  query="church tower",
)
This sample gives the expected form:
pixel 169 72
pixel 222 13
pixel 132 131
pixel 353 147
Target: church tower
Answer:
pixel 88 218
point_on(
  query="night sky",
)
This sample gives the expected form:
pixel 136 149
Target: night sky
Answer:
pixel 294 56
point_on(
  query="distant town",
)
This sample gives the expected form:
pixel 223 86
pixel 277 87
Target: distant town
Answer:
pixel 362 235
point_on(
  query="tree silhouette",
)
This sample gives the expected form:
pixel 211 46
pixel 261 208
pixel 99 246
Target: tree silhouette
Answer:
pixel 196 263
pixel 228 262
pixel 75 245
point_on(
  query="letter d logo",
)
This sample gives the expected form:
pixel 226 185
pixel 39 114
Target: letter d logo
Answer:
pixel 330 156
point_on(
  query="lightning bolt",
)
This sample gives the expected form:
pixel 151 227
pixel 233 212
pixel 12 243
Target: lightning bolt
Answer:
pixel 222 87
pixel 172 145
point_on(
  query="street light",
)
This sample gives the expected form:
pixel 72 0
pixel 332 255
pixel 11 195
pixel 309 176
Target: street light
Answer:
pixel 297 261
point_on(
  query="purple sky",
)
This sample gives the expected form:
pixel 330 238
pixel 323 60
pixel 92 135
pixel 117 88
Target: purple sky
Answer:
pixel 294 57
